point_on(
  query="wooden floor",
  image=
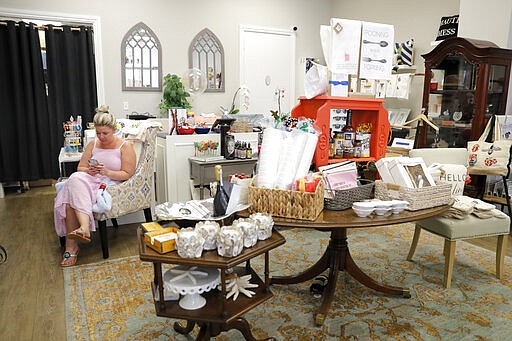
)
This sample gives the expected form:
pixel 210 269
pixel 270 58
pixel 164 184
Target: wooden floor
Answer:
pixel 31 281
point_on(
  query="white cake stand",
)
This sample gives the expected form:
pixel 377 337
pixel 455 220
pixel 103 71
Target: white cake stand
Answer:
pixel 191 282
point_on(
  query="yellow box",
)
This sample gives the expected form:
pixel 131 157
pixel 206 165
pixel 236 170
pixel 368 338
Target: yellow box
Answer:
pixel 151 226
pixel 162 240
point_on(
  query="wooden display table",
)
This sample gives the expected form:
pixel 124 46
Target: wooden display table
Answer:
pixel 219 314
pixel 337 254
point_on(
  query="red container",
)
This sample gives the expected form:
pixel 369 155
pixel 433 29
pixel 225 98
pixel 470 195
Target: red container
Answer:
pixel 185 130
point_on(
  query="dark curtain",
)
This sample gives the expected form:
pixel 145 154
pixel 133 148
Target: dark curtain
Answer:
pixel 71 77
pixel 25 151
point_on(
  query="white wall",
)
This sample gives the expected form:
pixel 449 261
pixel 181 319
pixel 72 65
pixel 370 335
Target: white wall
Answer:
pixel 176 22
pixel 491 23
pixel 416 19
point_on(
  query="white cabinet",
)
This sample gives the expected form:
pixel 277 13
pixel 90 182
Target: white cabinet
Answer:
pixel 172 166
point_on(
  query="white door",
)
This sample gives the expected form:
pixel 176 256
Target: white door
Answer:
pixel 267 65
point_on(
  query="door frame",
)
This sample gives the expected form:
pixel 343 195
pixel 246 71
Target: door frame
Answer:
pixel 268 30
pixel 66 18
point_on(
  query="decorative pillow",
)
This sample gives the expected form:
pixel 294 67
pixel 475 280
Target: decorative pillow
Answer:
pixel 404 52
pixel 448 28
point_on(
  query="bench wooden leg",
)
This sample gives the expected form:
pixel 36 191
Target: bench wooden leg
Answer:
pixel 501 249
pixel 414 243
pixel 449 256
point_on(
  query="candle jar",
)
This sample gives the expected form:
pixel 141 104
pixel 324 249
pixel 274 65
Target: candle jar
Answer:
pixel 209 230
pixel 250 230
pixel 189 243
pixel 265 223
pixel 230 241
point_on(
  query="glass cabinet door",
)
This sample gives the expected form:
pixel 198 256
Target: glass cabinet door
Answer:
pixel 496 90
pixel 451 104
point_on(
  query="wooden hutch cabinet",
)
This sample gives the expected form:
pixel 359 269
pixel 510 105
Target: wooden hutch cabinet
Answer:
pixel 466 82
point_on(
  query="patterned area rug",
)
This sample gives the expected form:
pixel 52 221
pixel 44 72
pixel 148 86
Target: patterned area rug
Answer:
pixel 111 300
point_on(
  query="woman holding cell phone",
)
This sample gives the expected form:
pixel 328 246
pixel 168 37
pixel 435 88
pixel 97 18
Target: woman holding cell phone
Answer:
pixel 106 160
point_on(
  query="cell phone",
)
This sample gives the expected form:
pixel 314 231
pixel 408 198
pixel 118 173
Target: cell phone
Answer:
pixel 93 162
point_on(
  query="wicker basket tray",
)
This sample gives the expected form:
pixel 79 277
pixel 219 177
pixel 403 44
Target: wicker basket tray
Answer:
pixel 287 204
pixel 418 198
pixel 344 199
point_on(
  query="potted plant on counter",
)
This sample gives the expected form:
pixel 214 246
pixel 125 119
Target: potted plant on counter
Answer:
pixel 174 100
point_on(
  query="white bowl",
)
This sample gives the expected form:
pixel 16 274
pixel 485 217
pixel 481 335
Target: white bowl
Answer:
pixel 362 212
pixel 364 204
pixel 383 204
pixel 381 210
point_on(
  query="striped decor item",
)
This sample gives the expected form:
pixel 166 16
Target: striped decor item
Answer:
pixel 405 52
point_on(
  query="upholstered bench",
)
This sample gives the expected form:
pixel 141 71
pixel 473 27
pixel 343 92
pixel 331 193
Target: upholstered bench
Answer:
pixel 459 229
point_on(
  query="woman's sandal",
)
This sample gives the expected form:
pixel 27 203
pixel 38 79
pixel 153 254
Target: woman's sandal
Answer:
pixel 79 235
pixel 67 255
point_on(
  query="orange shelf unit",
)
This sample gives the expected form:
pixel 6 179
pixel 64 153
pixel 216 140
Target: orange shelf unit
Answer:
pixel 364 110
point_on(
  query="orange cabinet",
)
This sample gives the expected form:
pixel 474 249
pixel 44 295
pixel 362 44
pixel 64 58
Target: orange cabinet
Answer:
pixel 364 110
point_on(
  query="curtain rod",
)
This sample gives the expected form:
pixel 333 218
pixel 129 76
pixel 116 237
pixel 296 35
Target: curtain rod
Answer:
pixel 45 26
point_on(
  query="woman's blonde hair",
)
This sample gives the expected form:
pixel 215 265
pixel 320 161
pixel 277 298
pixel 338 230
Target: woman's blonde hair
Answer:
pixel 105 119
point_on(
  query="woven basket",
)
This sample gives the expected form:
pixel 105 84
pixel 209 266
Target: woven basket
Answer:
pixel 418 198
pixel 344 199
pixel 287 204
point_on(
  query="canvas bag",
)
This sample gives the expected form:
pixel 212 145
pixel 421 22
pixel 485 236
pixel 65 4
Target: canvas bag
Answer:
pixel 489 157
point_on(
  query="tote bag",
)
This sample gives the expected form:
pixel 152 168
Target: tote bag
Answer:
pixel 489 157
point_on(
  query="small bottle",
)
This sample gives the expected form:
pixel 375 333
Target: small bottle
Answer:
pixel 348 137
pixel 237 149
pixel 249 151
pixel 331 145
pixel 358 146
pixel 243 150
pixel 338 146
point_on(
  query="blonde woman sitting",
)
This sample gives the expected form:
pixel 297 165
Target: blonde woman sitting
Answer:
pixel 115 162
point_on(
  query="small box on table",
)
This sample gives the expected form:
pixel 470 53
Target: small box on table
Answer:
pixel 162 240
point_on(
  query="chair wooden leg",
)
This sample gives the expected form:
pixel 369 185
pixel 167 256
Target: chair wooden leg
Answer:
pixel 102 226
pixel 501 249
pixel 148 215
pixel 414 243
pixel 449 256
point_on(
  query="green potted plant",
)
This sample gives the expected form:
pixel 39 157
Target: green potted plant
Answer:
pixel 174 95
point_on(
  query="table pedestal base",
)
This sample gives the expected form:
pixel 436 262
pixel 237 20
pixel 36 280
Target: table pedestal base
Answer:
pixel 208 330
pixel 337 258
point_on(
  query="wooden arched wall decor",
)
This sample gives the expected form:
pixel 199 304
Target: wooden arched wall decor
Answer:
pixel 141 60
pixel 207 54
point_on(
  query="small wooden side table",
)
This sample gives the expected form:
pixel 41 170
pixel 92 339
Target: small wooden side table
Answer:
pixel 219 314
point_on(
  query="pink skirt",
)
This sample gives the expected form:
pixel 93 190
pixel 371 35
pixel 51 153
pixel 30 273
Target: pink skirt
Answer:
pixel 79 191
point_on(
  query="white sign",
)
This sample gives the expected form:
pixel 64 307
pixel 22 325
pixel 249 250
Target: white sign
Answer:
pixel 376 60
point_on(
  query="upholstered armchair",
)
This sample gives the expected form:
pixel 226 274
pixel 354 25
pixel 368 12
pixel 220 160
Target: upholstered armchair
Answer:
pixel 452 229
pixel 135 193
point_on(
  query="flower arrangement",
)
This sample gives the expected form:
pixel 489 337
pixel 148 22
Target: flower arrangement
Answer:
pixel 243 91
